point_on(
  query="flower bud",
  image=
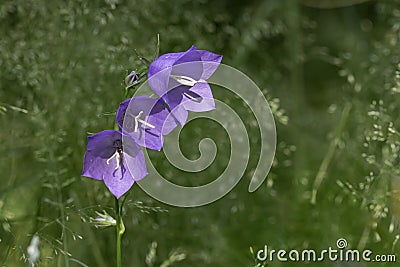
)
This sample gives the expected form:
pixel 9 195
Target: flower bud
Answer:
pixel 131 78
pixel 103 220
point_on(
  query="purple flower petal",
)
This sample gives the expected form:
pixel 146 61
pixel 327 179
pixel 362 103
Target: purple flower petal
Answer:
pixel 199 98
pixel 179 78
pixel 107 159
pixel 101 144
pixel 118 181
pixel 94 166
pixel 143 118
pixel 162 66
pixel 159 77
pixel 178 116
pixel 211 62
pixel 133 169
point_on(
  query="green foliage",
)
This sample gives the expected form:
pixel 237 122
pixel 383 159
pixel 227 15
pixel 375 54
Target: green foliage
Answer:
pixel 63 65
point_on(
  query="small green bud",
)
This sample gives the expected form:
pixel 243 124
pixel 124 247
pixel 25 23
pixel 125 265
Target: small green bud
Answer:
pixel 103 220
pixel 132 78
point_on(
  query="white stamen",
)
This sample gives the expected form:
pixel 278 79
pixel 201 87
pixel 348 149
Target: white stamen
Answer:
pixel 185 80
pixel 138 120
pixel 117 157
pixel 191 97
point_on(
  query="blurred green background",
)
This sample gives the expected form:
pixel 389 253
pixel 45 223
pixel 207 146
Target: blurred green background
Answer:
pixel 329 69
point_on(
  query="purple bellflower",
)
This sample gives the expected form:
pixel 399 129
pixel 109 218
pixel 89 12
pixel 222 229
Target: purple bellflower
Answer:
pixel 108 159
pixel 145 120
pixel 180 80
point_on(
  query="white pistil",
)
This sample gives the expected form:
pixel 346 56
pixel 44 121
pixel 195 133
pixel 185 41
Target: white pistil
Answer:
pixel 185 80
pixel 138 120
pixel 117 157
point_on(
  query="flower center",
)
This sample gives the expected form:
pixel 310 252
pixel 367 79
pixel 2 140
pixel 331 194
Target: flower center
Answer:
pixel 185 80
pixel 117 155
pixel 139 120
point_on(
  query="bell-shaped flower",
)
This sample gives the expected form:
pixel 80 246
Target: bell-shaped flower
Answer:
pixel 180 79
pixel 145 120
pixel 107 159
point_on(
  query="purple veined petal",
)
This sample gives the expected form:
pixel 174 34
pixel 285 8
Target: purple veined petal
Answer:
pixel 198 98
pixel 210 61
pixel 132 168
pixel 134 159
pixel 189 64
pixel 166 61
pixel 100 147
pixel 190 70
pixel 197 64
pixel 188 56
pixel 106 158
pixel 177 116
pixel 158 79
pixel 160 69
pixel 121 114
pixel 186 73
pixel 119 180
pixel 136 105
pixel 94 166
pixel 174 96
pixel 101 144
pixel 142 118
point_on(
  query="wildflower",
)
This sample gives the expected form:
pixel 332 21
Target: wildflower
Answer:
pixel 108 159
pixel 180 79
pixel 145 120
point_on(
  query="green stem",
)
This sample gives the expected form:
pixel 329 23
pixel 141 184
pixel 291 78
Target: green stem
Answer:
pixel 120 230
pixel 126 94
pixel 331 152
pixel 118 248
